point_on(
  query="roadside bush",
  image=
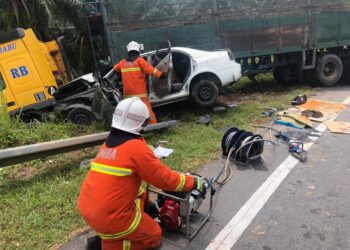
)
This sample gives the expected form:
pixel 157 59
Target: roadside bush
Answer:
pixel 4 116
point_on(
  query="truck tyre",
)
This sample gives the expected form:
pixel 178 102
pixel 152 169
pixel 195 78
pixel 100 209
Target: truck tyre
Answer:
pixel 329 69
pixel 205 93
pixel 80 116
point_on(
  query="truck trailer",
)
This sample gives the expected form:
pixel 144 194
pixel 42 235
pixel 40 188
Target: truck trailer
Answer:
pixel 298 40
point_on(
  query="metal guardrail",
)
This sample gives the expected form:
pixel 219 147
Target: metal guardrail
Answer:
pixel 21 154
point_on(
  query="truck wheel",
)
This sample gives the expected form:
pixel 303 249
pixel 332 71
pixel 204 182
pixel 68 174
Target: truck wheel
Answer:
pixel 80 116
pixel 205 93
pixel 329 69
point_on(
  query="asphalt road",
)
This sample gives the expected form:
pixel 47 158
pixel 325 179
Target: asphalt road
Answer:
pixel 283 205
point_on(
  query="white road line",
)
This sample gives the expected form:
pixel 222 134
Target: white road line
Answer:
pixel 347 101
pixel 229 235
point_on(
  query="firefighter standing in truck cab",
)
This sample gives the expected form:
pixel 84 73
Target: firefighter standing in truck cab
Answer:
pixel 134 70
pixel 111 198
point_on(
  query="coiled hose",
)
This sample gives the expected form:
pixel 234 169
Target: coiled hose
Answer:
pixel 239 146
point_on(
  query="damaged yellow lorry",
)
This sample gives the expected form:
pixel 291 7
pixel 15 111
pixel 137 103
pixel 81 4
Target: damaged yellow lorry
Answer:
pixel 31 72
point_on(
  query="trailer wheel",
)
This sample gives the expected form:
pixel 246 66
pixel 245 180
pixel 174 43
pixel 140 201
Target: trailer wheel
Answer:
pixel 80 116
pixel 205 93
pixel 329 69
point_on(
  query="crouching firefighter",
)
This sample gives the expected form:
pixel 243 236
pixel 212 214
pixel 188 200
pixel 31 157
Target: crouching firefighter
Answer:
pixel 111 198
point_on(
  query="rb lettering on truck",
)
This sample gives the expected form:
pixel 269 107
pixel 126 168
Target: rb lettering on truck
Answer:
pixel 31 71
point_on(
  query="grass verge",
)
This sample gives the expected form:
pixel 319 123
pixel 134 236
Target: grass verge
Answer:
pixel 38 199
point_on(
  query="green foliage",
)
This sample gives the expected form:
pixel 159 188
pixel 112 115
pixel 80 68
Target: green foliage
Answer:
pixel 4 116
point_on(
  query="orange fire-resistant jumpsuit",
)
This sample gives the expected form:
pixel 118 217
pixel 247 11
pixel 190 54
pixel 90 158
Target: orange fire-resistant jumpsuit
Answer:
pixel 111 198
pixel 134 80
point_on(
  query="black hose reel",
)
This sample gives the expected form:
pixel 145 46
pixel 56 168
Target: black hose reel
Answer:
pixel 242 146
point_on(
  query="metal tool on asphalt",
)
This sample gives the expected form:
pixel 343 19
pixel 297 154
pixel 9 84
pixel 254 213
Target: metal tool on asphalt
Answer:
pixel 296 149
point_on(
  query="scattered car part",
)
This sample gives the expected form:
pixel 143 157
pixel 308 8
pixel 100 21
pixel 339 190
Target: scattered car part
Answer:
pixel 219 109
pixel 205 120
pixel 299 99
pixel 269 112
pixel 312 113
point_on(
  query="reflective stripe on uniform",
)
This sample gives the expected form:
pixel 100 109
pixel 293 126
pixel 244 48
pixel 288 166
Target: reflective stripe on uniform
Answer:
pixel 131 69
pixel 110 170
pixel 141 191
pixel 154 72
pixel 132 227
pixel 181 184
pixel 126 245
pixel 139 95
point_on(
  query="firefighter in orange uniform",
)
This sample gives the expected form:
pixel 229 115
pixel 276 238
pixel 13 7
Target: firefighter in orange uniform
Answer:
pixel 134 70
pixel 111 198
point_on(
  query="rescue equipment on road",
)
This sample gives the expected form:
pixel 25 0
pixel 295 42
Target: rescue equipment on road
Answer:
pixel 178 208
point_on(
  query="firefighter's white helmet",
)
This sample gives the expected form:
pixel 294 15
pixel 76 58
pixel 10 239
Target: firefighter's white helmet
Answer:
pixel 131 115
pixel 133 46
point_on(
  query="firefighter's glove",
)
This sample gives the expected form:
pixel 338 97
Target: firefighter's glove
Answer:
pixel 163 75
pixel 199 185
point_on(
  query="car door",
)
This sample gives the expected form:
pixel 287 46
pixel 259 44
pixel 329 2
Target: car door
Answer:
pixel 162 87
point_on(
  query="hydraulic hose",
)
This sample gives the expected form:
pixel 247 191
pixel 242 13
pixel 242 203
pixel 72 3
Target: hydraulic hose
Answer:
pixel 241 147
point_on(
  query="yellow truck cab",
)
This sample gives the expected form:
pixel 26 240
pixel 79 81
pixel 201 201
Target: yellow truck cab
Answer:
pixel 28 75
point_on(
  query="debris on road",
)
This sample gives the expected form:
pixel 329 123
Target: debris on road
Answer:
pixel 294 120
pixel 299 99
pixel 219 109
pixel 205 120
pixel 312 113
pixel 338 127
pixel 161 152
pixel 269 112
pixel 328 109
pixel 85 164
